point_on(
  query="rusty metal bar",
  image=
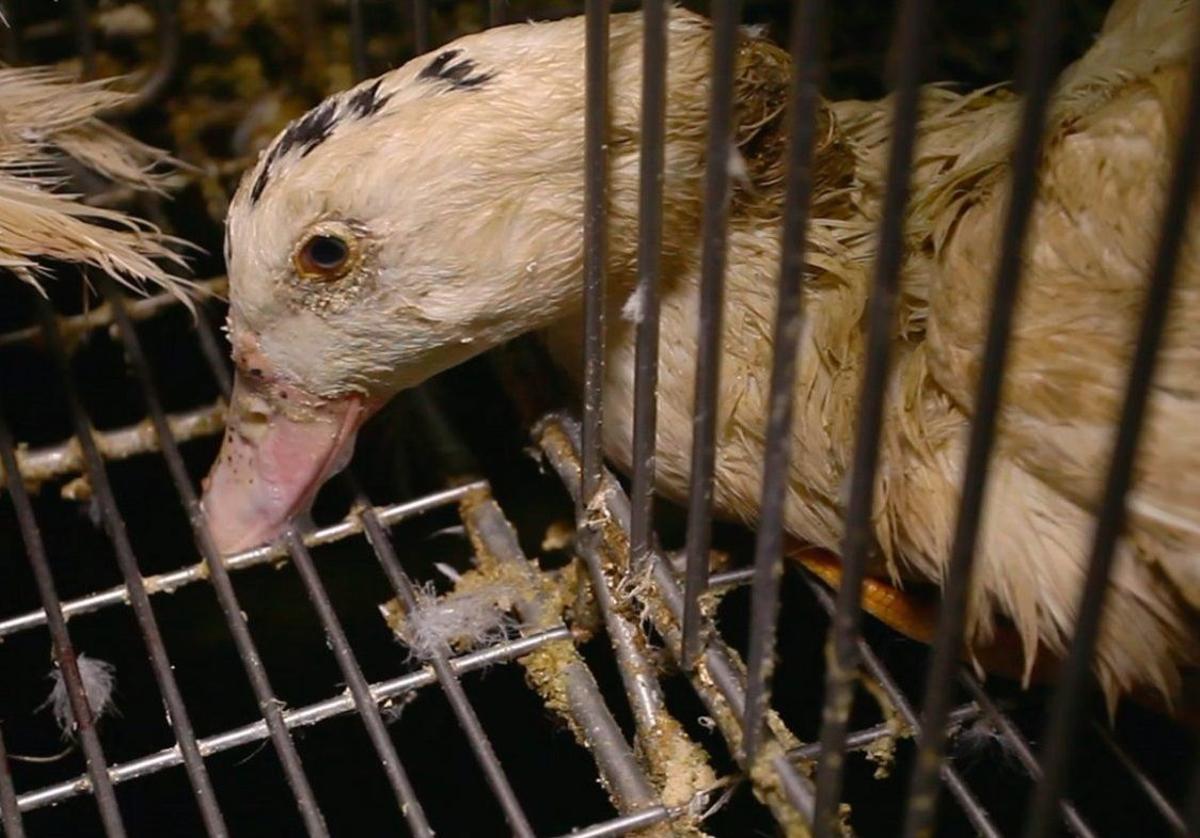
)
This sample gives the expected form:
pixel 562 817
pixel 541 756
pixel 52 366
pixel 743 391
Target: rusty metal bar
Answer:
pixel 972 808
pixel 139 599
pixel 726 14
pixel 842 654
pixel 143 308
pixel 595 241
pixel 43 464
pixel 719 679
pixel 485 754
pixel 1063 722
pixel 622 776
pixel 768 544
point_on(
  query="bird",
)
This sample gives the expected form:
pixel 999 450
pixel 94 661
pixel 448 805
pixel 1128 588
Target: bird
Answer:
pixel 432 213
pixel 50 130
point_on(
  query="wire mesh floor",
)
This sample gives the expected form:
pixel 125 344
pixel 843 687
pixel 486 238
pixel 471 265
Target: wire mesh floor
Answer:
pixel 507 740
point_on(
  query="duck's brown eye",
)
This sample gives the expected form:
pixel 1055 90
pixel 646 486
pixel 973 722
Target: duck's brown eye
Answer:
pixel 323 257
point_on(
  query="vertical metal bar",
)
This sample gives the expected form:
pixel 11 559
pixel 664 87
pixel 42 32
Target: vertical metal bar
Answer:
pixel 1110 521
pixel 64 651
pixel 768 546
pixel 649 266
pixel 358 41
pixel 377 732
pixel 268 704
pixel 842 656
pixel 595 241
pixel 485 754
pixel 495 13
pixel 139 600
pixel 1038 66
pixel 971 807
pixel 419 10
pixel 10 815
pixel 726 14
pixel 84 39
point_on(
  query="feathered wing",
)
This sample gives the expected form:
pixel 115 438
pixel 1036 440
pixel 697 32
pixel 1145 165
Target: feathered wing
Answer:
pixel 46 119
pixel 1092 239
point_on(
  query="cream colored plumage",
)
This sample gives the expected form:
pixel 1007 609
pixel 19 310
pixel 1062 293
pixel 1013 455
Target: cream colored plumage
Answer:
pixel 458 195
pixel 47 119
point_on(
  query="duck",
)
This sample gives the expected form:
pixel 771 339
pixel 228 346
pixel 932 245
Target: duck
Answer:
pixel 435 212
pixel 51 128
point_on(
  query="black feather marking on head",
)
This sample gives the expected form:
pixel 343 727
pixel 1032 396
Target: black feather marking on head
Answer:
pixel 310 130
pixel 366 101
pixel 305 133
pixel 460 76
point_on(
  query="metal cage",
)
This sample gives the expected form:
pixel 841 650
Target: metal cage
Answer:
pixel 614 695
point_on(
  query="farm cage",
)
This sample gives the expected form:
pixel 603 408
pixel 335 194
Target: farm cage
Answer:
pixel 602 708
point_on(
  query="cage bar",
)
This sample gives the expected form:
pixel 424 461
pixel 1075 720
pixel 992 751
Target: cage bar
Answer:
pixel 649 267
pixel 1020 746
pixel 948 774
pixel 595 241
pixel 311 714
pixel 98 782
pixel 339 644
pixel 139 600
pixel 843 658
pixel 1037 72
pixel 485 755
pixel 718 678
pixel 808 17
pixel 214 569
pixel 10 815
pixel 1110 520
pixel 726 14
pixel 627 785
pixel 255 556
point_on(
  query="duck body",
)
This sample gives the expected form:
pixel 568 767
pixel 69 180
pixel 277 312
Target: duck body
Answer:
pixel 510 184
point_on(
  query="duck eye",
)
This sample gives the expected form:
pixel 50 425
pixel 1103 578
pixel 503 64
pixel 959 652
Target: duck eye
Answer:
pixel 323 257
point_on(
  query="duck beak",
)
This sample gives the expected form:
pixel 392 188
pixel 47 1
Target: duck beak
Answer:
pixel 281 444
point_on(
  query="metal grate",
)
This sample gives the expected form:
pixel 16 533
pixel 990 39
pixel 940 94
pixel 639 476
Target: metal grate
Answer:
pixel 632 729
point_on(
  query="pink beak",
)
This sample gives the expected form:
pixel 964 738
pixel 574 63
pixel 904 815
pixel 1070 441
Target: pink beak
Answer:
pixel 281 444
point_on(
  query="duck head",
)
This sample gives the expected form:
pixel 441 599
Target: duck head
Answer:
pixel 416 220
